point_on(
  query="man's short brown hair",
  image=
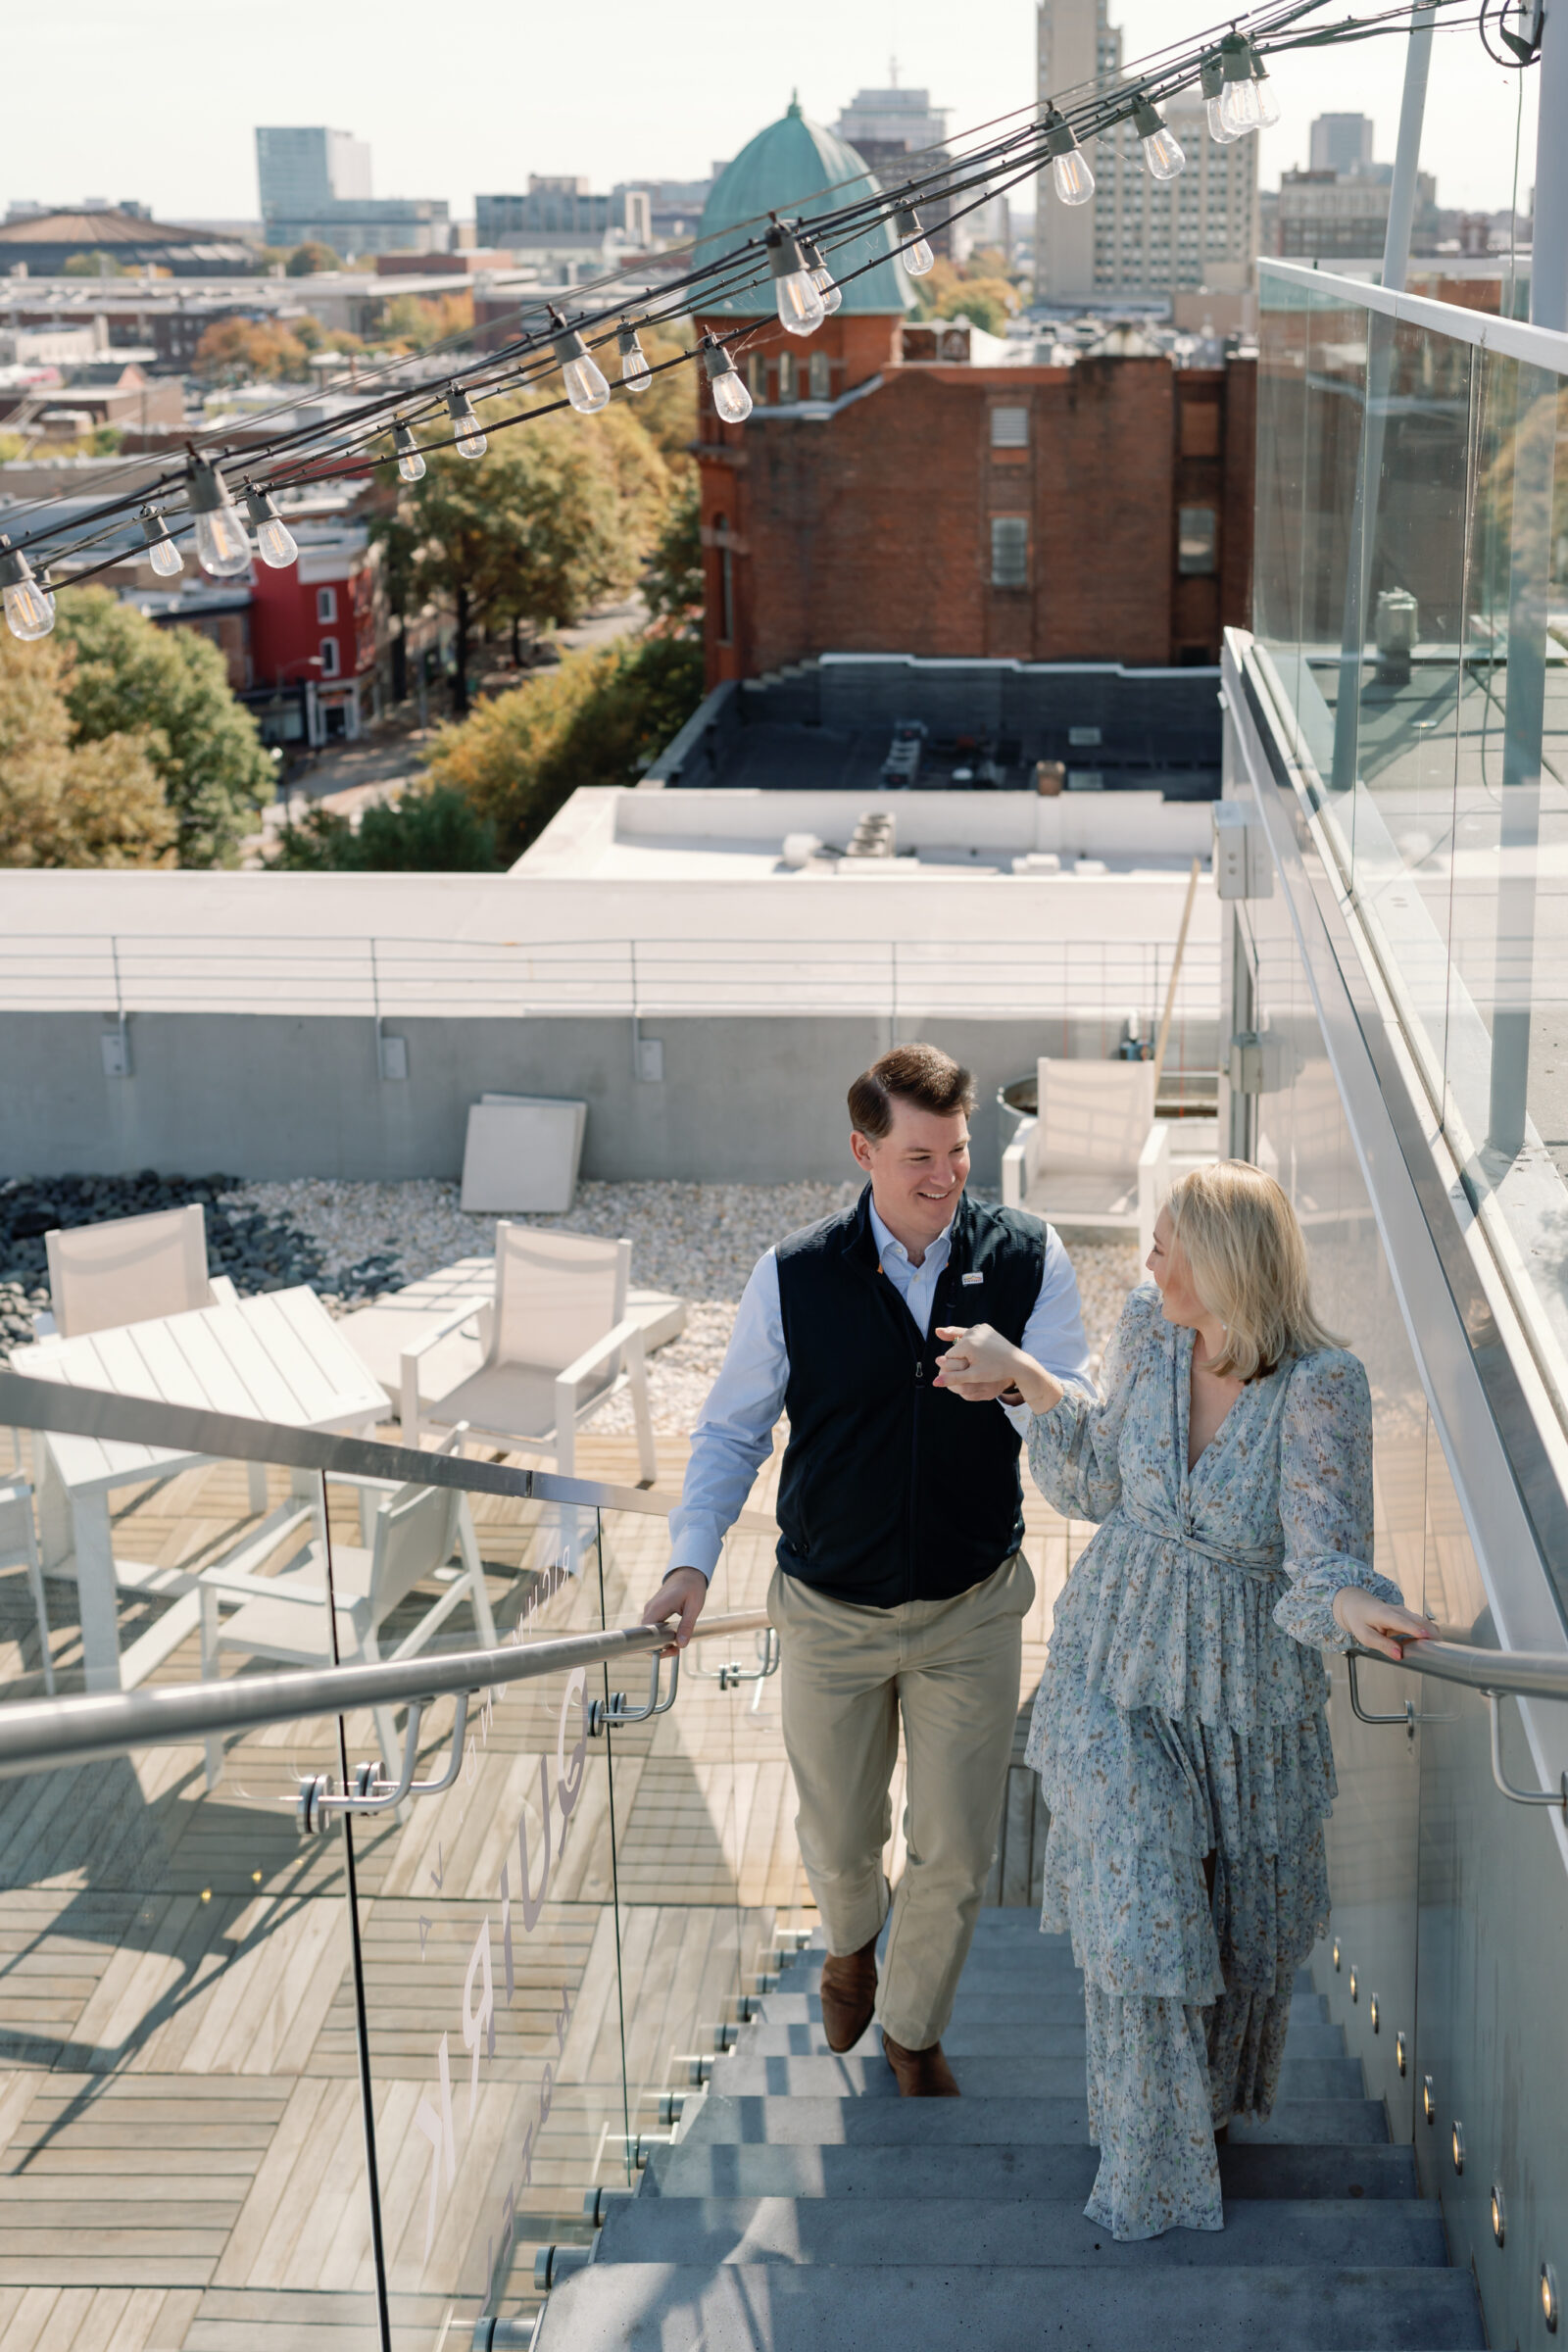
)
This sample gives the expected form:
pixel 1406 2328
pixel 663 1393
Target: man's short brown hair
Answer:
pixel 919 1074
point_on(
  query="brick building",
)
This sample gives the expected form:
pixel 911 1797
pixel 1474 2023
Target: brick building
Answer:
pixel 891 492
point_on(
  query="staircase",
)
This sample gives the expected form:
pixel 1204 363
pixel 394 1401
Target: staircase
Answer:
pixel 807 2208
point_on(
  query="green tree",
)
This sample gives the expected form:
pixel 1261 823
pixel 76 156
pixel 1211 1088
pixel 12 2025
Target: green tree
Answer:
pixel 93 264
pixel 673 585
pixel 988 301
pixel 64 802
pixel 417 324
pixel 171 687
pixel 553 519
pixel 434 829
pixel 601 718
pixel 311 259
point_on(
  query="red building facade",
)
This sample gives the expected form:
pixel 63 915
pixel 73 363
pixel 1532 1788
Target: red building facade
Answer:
pixel 880 501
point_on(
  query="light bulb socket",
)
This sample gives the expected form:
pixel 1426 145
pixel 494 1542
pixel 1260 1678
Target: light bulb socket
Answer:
pixel 784 256
pixel 814 253
pixel 1060 138
pixel 153 529
pixel 569 344
pixel 627 338
pixel 260 506
pixel 14 570
pixel 906 225
pixel 460 407
pixel 715 359
pixel 1148 120
pixel 1236 57
pixel 1211 74
pixel 404 444
pixel 208 491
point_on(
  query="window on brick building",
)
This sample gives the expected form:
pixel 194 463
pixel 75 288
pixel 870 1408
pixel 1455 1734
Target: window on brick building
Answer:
pixel 726 581
pixel 1009 551
pixel 1196 540
pixel 1009 428
pixel 326 604
pixel 786 376
pixel 329 657
pixel 821 379
pixel 756 376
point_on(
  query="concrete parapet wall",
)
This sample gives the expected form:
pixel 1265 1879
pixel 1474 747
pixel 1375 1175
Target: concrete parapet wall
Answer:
pixel 264 1095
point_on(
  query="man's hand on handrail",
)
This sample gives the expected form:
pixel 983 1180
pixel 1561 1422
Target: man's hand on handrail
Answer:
pixel 681 1596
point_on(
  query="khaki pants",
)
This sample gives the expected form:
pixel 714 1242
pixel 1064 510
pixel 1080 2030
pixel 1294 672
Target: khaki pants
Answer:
pixel 845 1672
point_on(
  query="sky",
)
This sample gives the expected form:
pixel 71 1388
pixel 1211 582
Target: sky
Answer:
pixel 159 100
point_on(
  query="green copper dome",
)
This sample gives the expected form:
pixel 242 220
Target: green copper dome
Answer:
pixel 796 168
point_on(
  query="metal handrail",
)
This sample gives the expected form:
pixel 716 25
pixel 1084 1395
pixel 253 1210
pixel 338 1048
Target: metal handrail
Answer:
pixel 1494 1675
pixel 55 1407
pixel 50 1733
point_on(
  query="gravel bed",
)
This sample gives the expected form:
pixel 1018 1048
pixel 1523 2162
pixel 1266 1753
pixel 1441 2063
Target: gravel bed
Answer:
pixel 355 1242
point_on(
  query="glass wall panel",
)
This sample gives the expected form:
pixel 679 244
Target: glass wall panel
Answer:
pixel 1337 347
pixel 1277 526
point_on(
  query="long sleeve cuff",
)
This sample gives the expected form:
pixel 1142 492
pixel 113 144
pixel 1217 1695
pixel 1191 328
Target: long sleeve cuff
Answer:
pixel 694 1546
pixel 1306 1611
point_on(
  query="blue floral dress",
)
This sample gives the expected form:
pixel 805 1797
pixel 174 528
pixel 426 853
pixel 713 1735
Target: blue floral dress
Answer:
pixel 1182 1714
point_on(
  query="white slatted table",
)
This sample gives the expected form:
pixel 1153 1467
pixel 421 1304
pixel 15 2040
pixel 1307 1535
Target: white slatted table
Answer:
pixel 277 1357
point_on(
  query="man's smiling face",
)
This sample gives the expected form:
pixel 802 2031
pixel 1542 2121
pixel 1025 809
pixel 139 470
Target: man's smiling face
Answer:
pixel 918 1169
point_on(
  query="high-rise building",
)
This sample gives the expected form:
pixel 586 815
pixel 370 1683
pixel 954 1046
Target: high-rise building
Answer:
pixel 1138 238
pixel 898 132
pixel 1341 142
pixel 302 170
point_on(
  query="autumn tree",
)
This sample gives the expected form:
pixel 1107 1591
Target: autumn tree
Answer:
pixel 311 259
pixel 558 516
pixel 417 324
pixel 238 350
pixel 987 302
pixel 63 800
pixel 169 689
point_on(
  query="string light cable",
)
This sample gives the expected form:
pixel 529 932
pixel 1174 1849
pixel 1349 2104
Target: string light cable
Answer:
pixel 793 259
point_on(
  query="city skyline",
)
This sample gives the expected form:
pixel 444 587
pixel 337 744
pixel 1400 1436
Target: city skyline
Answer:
pixel 610 99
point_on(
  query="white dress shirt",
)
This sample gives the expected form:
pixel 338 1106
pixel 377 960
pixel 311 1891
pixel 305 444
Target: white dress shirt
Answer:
pixel 734 1434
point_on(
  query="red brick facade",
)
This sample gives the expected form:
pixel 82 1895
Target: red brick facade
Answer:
pixel 870 530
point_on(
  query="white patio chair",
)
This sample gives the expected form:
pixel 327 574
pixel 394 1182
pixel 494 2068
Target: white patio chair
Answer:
pixel 1094 1155
pixel 558 1343
pixel 127 1270
pixel 18 1547
pixel 417 1530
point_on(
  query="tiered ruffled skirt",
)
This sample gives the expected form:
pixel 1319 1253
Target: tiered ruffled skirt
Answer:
pixel 1176 1721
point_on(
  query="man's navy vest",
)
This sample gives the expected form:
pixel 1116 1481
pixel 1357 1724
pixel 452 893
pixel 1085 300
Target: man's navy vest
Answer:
pixel 893 1490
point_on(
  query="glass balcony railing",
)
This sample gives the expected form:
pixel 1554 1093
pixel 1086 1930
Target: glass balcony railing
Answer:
pixel 354 2064
pixel 1411 620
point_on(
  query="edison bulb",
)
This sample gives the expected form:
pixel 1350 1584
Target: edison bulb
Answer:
pixel 1073 180
pixel 276 543
pixel 586 389
pixel 1162 153
pixel 30 610
pixel 465 432
pixel 222 546
pixel 1219 130
pixel 411 456
pixel 635 373
pixel 166 558
pixel 730 397
pixel 1268 106
pixel 1240 109
pixel 919 257
pixel 800 308
pixel 822 278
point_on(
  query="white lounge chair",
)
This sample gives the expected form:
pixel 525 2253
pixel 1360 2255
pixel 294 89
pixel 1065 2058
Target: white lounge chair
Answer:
pixel 558 1343
pixel 1094 1155
pixel 128 1270
pixel 417 1530
pixel 18 1547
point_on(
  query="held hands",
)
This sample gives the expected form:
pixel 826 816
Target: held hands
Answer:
pixel 1377 1624
pixel 680 1596
pixel 980 1364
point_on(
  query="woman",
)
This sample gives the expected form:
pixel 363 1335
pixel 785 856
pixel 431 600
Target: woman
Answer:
pixel 1179 1730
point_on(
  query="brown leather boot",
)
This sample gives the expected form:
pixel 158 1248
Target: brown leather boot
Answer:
pixel 921 2073
pixel 849 1996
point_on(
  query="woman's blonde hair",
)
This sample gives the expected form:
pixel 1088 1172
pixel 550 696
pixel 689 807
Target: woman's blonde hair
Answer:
pixel 1247 1257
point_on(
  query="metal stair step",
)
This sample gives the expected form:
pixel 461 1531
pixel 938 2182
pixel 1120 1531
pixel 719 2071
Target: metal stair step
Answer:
pixel 739 2074
pixel 782 2307
pixel 696 2168
pixel 1018 2037
pixel 1045 2233
pixel 1022 2004
pixel 1020 2122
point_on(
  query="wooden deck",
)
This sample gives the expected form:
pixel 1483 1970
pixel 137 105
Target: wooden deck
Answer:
pixel 182 2150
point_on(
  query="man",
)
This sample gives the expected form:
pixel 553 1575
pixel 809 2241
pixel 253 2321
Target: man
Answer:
pixel 901 1584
